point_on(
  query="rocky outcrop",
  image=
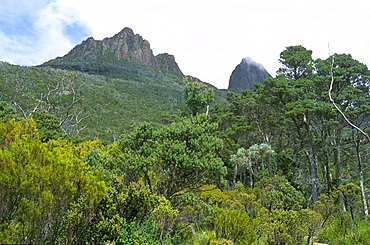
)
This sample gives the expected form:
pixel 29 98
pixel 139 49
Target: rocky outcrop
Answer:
pixel 167 62
pixel 246 74
pixel 125 45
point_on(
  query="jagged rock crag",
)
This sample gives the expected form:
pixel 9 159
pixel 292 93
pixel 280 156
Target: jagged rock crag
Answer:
pixel 125 45
pixel 167 62
pixel 246 74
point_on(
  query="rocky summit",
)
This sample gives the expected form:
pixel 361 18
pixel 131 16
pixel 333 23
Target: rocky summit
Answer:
pixel 246 74
pixel 124 46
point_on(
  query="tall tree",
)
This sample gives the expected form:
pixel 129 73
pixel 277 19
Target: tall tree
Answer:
pixel 292 91
pixel 197 96
pixel 296 62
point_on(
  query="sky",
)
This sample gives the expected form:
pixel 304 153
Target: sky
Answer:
pixel 208 38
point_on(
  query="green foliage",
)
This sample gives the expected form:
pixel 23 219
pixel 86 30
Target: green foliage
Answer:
pixel 48 126
pixel 351 194
pixel 292 113
pixel 124 207
pixel 7 112
pixel 282 227
pixel 197 97
pixel 341 229
pixel 297 62
pixel 278 193
pixel 241 157
pixel 219 217
pixel 13 130
pixel 38 182
pixel 221 242
pixel 235 226
pixel 137 234
pixel 140 204
pixel 182 155
pixel 362 233
pixel 256 162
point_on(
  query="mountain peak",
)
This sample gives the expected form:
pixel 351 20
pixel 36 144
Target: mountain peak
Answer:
pixel 246 74
pixel 126 30
pixel 249 61
pixel 125 45
pixel 125 34
pixel 90 39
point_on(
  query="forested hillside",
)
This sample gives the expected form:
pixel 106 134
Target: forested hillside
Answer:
pixel 95 106
pixel 286 163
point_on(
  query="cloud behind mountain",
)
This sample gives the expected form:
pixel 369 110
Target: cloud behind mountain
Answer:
pixel 34 31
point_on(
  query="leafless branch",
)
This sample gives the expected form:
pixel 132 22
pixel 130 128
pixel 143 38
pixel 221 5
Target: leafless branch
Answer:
pixel 69 107
pixel 336 107
pixel 50 91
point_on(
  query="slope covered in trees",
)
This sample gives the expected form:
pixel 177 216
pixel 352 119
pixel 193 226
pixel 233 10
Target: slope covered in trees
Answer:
pixel 94 106
pixel 276 165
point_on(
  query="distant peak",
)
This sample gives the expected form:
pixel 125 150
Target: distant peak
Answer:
pixel 248 60
pixel 127 30
pixel 90 39
pixel 246 74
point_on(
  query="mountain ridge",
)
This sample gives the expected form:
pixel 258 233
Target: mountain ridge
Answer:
pixel 123 46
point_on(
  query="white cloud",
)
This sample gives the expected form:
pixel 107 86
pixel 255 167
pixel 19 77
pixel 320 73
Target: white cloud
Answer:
pixel 15 50
pixel 51 24
pixel 38 30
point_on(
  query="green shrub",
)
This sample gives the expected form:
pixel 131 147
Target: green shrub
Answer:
pixel 235 226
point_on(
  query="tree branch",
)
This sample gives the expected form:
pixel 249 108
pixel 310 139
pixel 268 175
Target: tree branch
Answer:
pixel 338 109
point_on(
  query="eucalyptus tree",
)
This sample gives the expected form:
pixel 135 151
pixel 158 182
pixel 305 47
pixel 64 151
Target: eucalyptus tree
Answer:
pixel 292 95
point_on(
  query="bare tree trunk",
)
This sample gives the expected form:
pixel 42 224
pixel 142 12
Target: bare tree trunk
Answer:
pixel 326 171
pixel 337 159
pixel 361 175
pixel 338 164
pixel 314 178
pixel 235 174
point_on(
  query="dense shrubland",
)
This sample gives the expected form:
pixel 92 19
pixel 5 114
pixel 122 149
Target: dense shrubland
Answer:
pixel 277 165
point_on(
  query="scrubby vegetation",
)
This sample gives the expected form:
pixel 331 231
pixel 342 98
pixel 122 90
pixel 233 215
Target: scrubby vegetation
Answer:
pixel 286 163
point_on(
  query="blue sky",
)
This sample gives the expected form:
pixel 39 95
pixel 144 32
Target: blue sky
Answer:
pixel 207 37
pixel 34 31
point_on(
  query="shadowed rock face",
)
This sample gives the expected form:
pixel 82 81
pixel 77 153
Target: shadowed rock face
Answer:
pixel 246 74
pixel 125 45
